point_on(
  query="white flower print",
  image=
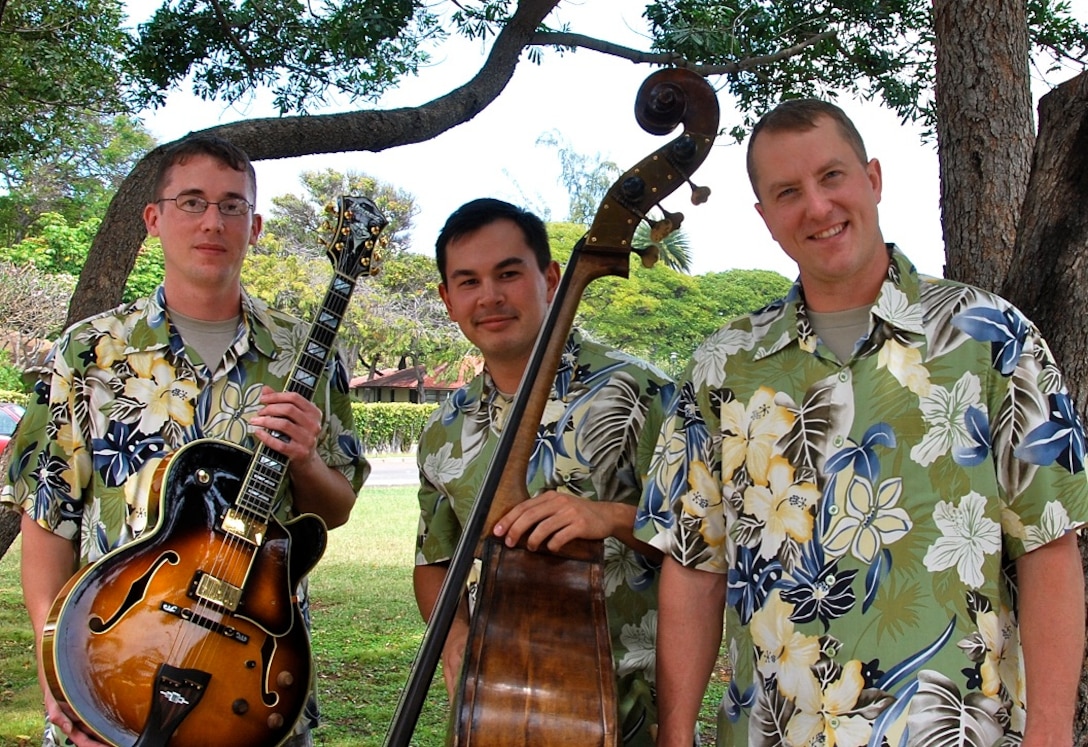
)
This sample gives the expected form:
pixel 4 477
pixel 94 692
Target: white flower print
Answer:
pixel 640 641
pixel 1054 523
pixel 894 306
pixel 968 536
pixel 441 467
pixel 945 413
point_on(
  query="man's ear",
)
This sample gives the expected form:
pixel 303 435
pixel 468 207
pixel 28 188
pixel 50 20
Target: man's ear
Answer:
pixel 552 276
pixel 445 294
pixel 151 218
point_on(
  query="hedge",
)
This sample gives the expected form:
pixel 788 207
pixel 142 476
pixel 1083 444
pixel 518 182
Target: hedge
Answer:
pixel 385 427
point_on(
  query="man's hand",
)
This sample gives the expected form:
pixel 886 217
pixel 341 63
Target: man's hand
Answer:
pixel 69 725
pixel 553 519
pixel 296 419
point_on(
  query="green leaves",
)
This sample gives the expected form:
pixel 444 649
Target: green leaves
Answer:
pixel 301 52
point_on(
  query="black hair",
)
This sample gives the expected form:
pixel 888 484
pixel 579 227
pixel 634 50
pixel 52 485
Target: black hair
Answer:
pixel 484 211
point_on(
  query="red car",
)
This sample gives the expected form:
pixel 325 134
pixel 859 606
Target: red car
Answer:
pixel 10 413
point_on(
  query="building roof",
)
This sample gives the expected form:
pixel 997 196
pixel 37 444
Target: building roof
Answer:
pixel 406 378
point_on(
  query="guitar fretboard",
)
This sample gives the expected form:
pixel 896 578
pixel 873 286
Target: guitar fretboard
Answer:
pixel 268 470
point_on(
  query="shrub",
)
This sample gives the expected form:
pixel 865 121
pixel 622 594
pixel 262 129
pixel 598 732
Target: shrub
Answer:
pixel 390 426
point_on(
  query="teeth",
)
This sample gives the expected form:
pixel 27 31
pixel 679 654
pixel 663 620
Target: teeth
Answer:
pixel 834 231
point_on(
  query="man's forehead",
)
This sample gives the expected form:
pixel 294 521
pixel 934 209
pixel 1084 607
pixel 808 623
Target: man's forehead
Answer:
pixel 194 174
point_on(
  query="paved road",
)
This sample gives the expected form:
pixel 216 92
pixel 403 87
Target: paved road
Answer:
pixel 392 470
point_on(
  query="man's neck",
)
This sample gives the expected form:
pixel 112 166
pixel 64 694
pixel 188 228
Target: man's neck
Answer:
pixel 506 375
pixel 205 304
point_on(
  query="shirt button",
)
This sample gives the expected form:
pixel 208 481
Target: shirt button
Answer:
pixel 832 510
pixel 839 440
pixel 844 376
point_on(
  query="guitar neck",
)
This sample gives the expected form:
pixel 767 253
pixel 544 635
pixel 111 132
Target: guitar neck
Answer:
pixel 268 472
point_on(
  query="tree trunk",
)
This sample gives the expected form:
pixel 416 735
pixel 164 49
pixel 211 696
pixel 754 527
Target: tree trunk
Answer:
pixel 1051 258
pixel 984 133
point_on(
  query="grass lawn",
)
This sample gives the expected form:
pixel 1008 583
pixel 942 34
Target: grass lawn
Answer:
pixel 366 632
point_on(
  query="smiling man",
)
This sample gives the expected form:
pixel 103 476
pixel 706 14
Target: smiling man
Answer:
pixel 497 281
pixel 876 481
pixel 126 388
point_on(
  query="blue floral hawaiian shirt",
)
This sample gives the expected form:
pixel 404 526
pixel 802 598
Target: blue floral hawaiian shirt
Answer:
pixel 867 514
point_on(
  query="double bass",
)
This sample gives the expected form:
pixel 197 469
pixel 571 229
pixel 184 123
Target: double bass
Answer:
pixel 191 635
pixel 538 667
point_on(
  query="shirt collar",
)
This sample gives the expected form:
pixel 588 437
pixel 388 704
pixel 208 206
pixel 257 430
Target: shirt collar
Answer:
pixel 897 307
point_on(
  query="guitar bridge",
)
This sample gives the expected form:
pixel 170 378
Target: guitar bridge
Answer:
pixel 244 527
pixel 208 588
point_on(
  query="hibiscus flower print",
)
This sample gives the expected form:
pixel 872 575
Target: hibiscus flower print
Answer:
pixel 784 655
pixel 783 506
pixel 945 412
pixel 967 537
pixel 168 397
pixel 750 433
pixel 828 718
pixel 442 468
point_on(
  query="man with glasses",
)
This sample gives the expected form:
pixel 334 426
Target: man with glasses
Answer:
pixel 198 359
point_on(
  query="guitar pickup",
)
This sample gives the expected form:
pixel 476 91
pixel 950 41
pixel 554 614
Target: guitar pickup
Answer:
pixel 244 527
pixel 212 590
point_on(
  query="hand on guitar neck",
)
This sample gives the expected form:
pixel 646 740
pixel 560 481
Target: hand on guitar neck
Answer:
pixel 290 424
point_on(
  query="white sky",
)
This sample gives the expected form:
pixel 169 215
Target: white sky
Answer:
pixel 589 99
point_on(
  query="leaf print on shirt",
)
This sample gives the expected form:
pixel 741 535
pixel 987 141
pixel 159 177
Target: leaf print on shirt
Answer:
pixel 708 361
pixel 237 404
pixel 1054 523
pixel 1005 331
pixel 945 412
pixel 940 715
pixel 968 536
pixel 122 451
pixel 640 642
pixel 1060 439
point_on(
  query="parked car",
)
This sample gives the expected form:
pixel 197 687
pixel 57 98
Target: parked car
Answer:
pixel 10 414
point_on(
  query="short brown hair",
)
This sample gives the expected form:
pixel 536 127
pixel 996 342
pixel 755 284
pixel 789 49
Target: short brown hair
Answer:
pixel 213 146
pixel 801 115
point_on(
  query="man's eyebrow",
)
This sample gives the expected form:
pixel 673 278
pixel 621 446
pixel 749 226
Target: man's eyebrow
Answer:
pixel 201 193
pixel 501 265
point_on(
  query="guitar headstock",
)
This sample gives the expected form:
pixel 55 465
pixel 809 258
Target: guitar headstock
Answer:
pixel 355 246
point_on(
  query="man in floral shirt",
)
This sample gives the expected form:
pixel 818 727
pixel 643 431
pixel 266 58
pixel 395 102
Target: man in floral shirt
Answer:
pixel 198 359
pixel 877 480
pixel 593 446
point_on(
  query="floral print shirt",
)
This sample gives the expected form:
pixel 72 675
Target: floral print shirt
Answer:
pixel 122 392
pixel 867 514
pixel 595 441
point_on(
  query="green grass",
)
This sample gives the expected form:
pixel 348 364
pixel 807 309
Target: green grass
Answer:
pixel 366 632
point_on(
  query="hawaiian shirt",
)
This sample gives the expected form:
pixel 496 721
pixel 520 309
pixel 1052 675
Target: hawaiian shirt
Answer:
pixel 867 514
pixel 121 392
pixel 595 441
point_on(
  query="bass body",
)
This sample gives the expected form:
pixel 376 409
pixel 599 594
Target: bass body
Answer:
pixel 191 635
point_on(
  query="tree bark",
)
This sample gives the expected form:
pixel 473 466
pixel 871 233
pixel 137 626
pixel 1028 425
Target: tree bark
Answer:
pixel 1050 279
pixel 984 132
pixel 113 253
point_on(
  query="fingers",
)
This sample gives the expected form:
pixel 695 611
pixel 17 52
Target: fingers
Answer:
pixel 288 423
pixel 552 519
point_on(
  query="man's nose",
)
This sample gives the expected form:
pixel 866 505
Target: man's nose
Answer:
pixel 491 293
pixel 211 219
pixel 817 202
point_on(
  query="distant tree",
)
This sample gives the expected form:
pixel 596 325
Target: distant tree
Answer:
pixel 297 220
pixel 32 306
pixel 60 60
pixel 74 174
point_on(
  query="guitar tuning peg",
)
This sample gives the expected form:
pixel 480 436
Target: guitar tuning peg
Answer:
pixel 659 229
pixel 325 226
pixel 330 208
pixel 699 195
pixel 648 254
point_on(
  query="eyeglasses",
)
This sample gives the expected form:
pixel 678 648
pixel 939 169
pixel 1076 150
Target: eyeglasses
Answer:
pixel 193 204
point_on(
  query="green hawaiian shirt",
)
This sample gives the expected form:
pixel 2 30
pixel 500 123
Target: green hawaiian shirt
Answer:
pixel 122 392
pixel 595 441
pixel 867 514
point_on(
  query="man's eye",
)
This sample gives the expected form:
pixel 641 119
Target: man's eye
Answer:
pixel 233 207
pixel 194 204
